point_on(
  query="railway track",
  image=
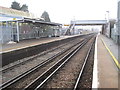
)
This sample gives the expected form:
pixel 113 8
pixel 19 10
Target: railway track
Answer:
pixel 81 79
pixel 30 58
pixel 34 61
pixel 41 81
pixel 14 80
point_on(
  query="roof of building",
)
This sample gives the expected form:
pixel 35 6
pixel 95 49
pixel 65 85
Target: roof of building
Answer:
pixel 4 11
pixel 39 21
pixel 8 14
pixel 34 21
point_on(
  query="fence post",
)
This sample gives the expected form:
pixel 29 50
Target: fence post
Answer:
pixel 18 32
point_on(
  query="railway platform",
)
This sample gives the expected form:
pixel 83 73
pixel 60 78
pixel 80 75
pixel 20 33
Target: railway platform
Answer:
pixel 106 59
pixel 29 43
pixel 107 63
pixel 12 52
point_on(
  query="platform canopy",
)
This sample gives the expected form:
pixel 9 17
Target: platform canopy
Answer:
pixel 38 21
pixel 33 21
pixel 8 14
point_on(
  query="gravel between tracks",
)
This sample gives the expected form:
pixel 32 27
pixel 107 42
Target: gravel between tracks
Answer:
pixel 87 76
pixel 30 64
pixel 66 77
pixel 31 77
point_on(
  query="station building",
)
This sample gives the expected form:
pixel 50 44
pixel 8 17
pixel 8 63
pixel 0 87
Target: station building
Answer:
pixel 18 25
pixel 115 30
pixel 118 22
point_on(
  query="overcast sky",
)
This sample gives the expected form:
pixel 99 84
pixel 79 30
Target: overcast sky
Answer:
pixel 63 11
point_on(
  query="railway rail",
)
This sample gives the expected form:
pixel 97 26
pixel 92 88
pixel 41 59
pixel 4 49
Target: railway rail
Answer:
pixel 20 62
pixel 83 71
pixel 41 81
pixel 13 80
pixel 35 60
pixel 68 53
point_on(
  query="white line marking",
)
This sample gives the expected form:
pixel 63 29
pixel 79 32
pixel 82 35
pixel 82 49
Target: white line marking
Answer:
pixel 95 69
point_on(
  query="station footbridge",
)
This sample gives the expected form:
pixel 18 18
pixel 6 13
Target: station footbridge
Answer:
pixel 74 23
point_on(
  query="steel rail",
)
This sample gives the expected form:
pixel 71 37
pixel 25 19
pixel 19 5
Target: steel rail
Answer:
pixel 38 55
pixel 17 78
pixel 31 58
pixel 40 81
pixel 83 66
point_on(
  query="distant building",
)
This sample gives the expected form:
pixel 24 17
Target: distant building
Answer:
pixel 118 22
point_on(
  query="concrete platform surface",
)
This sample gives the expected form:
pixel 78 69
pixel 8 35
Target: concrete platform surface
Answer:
pixel 29 43
pixel 111 45
pixel 107 68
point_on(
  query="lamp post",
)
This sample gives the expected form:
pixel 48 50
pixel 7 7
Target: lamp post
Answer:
pixel 108 15
pixel 108 21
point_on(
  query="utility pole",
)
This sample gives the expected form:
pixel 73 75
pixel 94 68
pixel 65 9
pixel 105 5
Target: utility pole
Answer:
pixel 108 21
pixel 118 22
pixel 108 15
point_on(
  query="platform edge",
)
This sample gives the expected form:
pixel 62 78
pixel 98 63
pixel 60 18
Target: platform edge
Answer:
pixel 95 69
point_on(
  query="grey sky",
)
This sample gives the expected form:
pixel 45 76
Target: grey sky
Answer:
pixel 63 11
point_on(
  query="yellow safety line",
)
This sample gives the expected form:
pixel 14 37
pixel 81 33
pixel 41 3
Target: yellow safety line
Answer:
pixel 115 60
